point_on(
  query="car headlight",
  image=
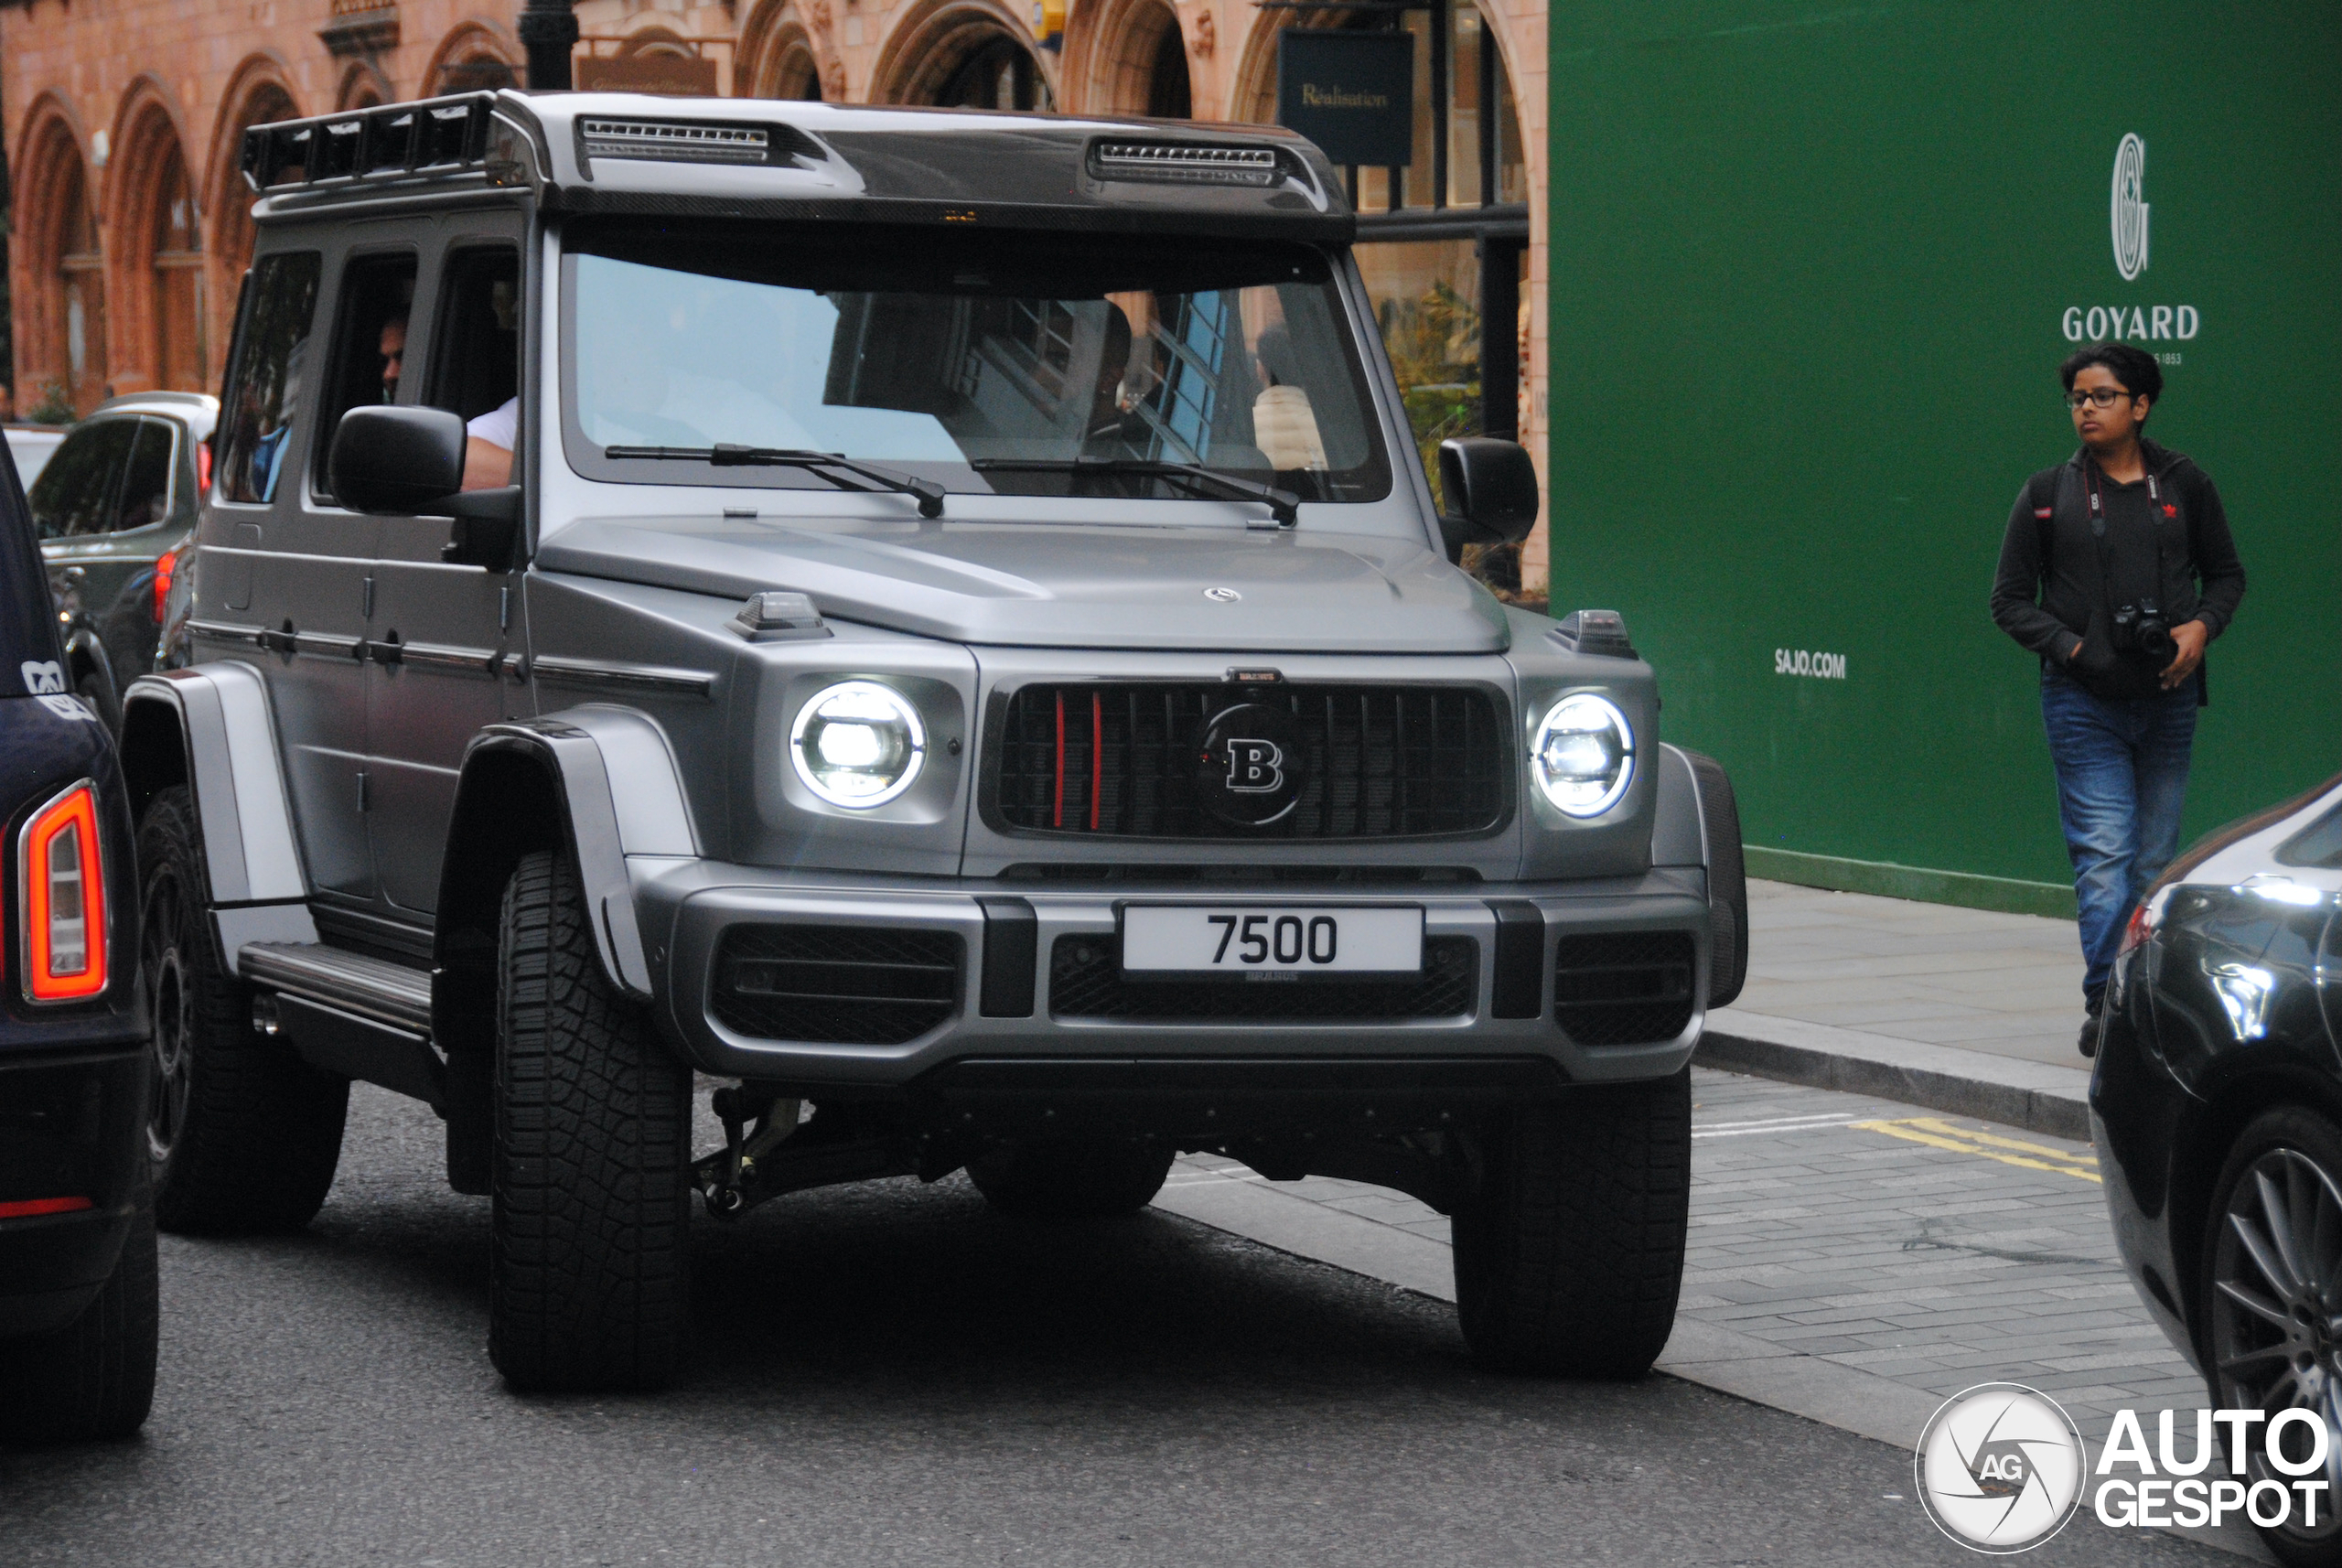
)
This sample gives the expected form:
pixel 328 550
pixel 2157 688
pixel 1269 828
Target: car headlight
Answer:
pixel 1585 756
pixel 857 744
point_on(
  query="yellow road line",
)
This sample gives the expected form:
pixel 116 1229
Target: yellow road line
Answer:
pixel 1921 1129
pixel 2018 1146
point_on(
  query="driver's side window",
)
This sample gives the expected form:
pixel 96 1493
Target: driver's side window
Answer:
pixel 476 358
pixel 368 362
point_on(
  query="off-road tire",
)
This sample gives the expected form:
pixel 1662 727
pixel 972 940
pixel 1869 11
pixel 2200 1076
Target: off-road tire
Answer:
pixel 589 1265
pixel 1727 880
pixel 94 1378
pixel 1569 1251
pixel 1075 1179
pixel 245 1135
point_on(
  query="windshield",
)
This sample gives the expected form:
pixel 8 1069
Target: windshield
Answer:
pixel 988 362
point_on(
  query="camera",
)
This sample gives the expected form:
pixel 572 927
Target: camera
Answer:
pixel 2141 629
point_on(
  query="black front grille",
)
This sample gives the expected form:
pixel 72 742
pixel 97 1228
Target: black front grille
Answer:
pixel 1086 982
pixel 1624 988
pixel 853 985
pixel 1120 758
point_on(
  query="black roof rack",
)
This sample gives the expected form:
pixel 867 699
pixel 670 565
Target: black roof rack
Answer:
pixel 396 141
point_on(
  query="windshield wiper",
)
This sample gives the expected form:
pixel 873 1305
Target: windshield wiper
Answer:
pixel 725 455
pixel 1283 504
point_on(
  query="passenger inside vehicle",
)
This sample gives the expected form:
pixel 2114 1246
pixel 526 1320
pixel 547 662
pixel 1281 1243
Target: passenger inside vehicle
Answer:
pixel 477 372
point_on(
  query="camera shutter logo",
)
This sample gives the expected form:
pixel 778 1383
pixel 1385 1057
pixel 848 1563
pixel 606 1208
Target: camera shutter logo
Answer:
pixel 2131 210
pixel 2000 1469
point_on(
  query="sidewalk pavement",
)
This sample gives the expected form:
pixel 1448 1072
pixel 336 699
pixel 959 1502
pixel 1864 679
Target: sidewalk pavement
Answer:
pixel 1959 1010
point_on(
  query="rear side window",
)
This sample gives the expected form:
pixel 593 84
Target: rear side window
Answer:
pixel 76 492
pixel 264 386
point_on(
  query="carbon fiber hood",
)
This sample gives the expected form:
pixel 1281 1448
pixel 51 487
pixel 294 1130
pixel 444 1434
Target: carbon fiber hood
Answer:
pixel 1064 585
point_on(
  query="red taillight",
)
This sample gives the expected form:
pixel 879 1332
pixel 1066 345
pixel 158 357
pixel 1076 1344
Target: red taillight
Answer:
pixel 61 895
pixel 203 468
pixel 165 564
pixel 25 1209
pixel 2142 926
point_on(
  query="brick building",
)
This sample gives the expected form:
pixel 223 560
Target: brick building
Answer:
pixel 131 232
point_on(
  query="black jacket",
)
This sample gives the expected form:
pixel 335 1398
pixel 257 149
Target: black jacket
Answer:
pixel 2051 606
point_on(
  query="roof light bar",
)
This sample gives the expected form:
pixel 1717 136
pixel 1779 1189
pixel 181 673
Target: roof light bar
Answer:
pixel 1183 163
pixel 676 141
pixel 390 142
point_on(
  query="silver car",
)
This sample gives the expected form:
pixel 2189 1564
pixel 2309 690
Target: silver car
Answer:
pixel 935 622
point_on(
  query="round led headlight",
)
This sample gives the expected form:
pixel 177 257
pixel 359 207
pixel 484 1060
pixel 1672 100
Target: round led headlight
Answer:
pixel 1585 756
pixel 857 744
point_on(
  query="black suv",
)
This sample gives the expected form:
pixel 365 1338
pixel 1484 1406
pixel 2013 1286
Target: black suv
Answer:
pixel 77 1219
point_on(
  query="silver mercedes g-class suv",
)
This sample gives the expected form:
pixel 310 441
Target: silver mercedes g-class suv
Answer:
pixel 935 623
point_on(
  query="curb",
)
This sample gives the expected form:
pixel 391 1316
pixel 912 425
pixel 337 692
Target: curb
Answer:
pixel 2031 1095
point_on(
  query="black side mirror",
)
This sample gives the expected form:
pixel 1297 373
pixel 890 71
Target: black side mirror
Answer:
pixel 409 462
pixel 399 460
pixel 1491 488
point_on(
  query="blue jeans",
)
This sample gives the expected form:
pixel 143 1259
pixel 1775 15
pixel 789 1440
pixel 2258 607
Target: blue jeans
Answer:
pixel 2121 777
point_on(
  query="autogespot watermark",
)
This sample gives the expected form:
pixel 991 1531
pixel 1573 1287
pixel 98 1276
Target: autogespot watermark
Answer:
pixel 2002 1468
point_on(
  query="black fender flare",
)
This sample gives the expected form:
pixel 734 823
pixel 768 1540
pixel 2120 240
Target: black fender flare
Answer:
pixel 1711 811
pixel 598 781
pixel 211 728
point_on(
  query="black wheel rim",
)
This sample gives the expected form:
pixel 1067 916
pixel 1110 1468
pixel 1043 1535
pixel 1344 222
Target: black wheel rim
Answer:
pixel 173 1015
pixel 2276 1318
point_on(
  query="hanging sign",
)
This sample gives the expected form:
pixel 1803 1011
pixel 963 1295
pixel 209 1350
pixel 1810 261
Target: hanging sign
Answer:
pixel 1352 93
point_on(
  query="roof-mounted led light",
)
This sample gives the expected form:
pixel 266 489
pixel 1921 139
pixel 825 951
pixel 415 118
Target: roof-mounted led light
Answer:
pixel 1183 163
pixel 676 141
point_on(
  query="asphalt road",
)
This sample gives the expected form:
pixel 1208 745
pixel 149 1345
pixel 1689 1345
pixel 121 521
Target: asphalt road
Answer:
pixel 889 1374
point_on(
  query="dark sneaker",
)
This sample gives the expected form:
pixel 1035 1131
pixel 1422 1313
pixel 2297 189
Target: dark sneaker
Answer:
pixel 2089 1040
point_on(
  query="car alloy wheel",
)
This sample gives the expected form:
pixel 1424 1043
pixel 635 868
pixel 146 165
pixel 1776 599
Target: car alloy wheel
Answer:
pixel 2276 1305
pixel 174 1019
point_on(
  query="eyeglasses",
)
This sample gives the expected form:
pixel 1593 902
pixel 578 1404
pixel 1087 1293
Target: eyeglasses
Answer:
pixel 2096 397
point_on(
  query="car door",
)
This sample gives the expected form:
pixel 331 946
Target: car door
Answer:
pixel 110 573
pixel 446 626
pixel 75 506
pixel 282 581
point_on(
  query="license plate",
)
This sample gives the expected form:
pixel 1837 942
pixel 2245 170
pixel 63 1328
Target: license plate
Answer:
pixel 1277 942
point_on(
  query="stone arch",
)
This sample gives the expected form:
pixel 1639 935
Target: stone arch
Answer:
pixel 58 262
pixel 656 41
pixel 1252 94
pixel 364 86
pixel 934 53
pixel 1127 57
pixel 784 53
pixel 260 90
pixel 473 55
pixel 156 286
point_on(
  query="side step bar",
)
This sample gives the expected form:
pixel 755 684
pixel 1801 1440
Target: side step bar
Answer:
pixel 347 1013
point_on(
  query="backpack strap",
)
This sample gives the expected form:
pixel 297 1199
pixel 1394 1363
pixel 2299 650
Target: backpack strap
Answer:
pixel 2041 495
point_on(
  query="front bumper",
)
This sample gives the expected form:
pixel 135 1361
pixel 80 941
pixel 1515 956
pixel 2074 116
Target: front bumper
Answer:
pixel 72 1127
pixel 1006 1004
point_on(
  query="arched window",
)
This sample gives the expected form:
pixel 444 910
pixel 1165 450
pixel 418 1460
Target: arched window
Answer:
pixel 1168 95
pixel 175 257
pixel 82 290
pixel 995 73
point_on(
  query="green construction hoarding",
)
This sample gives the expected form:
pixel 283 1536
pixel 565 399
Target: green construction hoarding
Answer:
pixel 1812 271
